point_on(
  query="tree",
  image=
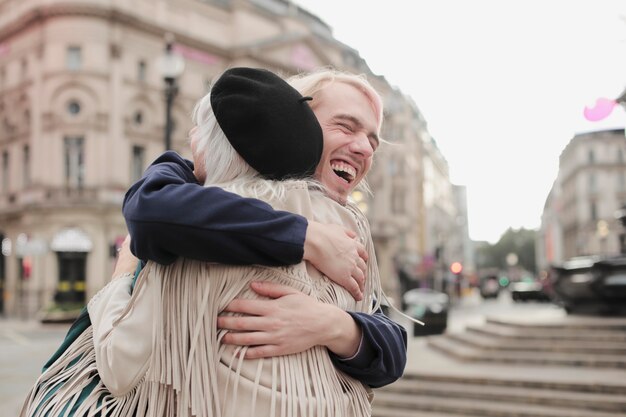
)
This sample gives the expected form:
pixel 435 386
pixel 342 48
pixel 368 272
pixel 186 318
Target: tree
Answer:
pixel 520 242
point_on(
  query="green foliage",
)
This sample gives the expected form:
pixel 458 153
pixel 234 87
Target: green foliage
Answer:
pixel 520 242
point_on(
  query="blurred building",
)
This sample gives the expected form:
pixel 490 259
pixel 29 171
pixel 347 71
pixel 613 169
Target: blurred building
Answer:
pixel 579 213
pixel 445 219
pixel 82 113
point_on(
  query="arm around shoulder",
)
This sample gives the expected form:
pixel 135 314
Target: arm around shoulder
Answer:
pixel 170 215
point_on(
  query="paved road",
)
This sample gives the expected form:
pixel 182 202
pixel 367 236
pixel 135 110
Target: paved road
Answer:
pixel 24 348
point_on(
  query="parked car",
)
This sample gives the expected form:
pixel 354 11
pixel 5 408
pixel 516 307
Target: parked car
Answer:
pixel 489 287
pixel 592 285
pixel 429 306
pixel 527 290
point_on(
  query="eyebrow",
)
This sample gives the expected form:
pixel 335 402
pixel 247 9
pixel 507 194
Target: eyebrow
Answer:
pixel 357 122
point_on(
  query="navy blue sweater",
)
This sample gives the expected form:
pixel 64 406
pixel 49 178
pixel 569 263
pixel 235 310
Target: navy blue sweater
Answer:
pixel 169 214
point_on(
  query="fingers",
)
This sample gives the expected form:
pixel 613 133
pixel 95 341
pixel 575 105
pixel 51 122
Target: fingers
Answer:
pixel 264 351
pixel 350 233
pixel 126 262
pixel 271 289
pixel 361 273
pixel 249 307
pixel 353 286
pixel 243 323
pixel 362 252
pixel 247 338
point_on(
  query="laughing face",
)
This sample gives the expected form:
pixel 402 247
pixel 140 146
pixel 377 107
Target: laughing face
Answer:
pixel 350 125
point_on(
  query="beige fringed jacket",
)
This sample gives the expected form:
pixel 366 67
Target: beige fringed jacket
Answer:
pixel 159 353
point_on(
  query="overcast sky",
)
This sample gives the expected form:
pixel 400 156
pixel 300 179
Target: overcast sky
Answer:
pixel 501 83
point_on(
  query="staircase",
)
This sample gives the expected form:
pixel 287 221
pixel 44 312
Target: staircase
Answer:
pixel 432 396
pixel 588 342
pixel 572 368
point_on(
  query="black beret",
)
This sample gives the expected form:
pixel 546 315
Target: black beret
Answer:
pixel 268 122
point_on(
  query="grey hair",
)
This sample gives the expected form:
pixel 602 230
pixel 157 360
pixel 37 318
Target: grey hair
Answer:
pixel 224 167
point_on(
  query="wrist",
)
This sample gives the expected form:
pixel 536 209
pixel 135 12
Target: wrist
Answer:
pixel 345 335
pixel 311 242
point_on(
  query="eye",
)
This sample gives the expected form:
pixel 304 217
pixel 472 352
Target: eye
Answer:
pixel 346 127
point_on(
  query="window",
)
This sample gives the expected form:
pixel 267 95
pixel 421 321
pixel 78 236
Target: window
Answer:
pixel 138 118
pixel 74 58
pixel 397 200
pixel 137 163
pixel 141 71
pixel 73 107
pixel 591 156
pixel 620 156
pixel 5 171
pixel 621 181
pixel 74 161
pixel 592 182
pixel 594 211
pixel 26 166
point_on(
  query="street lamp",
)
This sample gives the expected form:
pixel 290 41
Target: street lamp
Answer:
pixel 171 66
pixel 621 216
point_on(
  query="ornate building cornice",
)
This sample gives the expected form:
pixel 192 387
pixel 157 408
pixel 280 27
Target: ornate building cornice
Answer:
pixel 40 13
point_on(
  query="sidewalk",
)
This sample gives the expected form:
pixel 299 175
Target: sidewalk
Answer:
pixel 24 347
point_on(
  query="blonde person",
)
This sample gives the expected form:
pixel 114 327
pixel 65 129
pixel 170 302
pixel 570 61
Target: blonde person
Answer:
pixel 182 362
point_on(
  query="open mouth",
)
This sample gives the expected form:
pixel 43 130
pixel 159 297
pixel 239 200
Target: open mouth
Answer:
pixel 343 170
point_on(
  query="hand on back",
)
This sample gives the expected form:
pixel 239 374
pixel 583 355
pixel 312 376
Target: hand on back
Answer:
pixel 336 252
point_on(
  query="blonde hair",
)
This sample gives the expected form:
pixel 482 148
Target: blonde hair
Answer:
pixel 311 83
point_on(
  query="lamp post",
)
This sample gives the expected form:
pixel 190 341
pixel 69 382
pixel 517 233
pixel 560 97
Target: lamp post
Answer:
pixel 621 216
pixel 171 66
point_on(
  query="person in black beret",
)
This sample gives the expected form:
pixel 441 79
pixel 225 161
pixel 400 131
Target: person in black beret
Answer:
pixel 268 123
pixel 381 357
pixel 146 346
pixel 249 106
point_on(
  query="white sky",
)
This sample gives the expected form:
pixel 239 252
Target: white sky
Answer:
pixel 501 83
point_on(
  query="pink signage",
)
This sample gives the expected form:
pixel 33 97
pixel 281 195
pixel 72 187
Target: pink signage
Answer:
pixel 195 55
pixel 302 57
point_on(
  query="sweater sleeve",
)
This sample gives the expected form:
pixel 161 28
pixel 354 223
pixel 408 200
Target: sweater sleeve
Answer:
pixel 169 214
pixel 381 358
pixel 122 343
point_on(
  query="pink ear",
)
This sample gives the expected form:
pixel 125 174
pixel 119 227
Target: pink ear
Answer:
pixel 602 109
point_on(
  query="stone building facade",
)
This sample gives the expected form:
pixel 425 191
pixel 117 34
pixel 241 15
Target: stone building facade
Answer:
pixel 579 214
pixel 82 114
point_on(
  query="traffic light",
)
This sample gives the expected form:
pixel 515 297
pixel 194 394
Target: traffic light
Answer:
pixel 456 268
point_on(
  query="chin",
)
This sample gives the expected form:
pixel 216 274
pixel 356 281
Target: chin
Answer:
pixel 339 197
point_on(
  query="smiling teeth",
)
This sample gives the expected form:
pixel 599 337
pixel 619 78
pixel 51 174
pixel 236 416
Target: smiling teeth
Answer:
pixel 343 167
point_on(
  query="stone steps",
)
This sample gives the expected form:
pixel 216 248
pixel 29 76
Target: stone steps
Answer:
pixel 396 412
pixel 417 404
pixel 580 386
pixel 465 352
pixel 487 342
pixel 573 322
pixel 572 368
pixel 547 334
pixel 511 392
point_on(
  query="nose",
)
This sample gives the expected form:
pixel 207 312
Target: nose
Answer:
pixel 362 146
